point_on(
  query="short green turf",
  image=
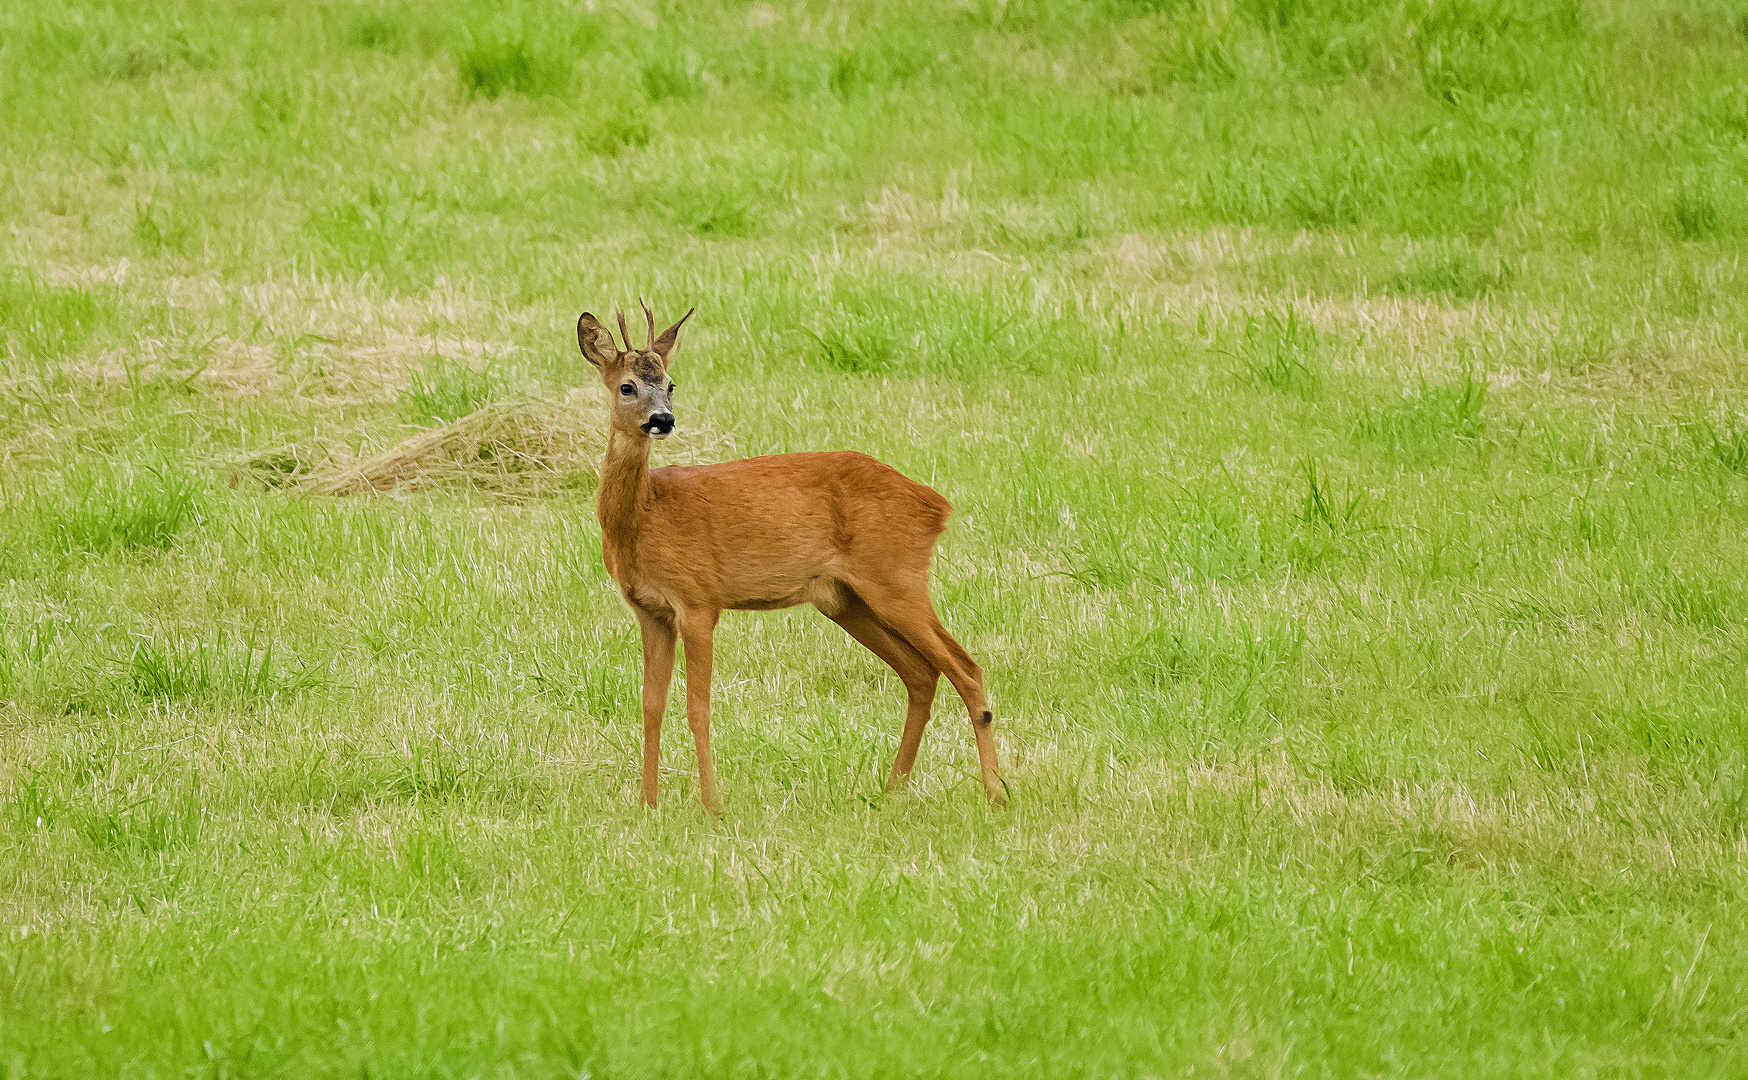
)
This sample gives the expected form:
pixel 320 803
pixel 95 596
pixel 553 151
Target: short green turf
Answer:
pixel 1343 407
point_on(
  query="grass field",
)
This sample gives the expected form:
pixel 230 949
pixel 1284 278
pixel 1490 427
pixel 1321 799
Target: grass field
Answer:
pixel 1343 407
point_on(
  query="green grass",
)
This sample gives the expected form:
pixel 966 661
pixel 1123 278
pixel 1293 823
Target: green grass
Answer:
pixel 1729 443
pixel 1343 410
pixel 126 508
pixel 44 322
pixel 1279 351
pixel 446 390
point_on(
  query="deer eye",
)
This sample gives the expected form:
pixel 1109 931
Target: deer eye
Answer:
pixel 627 389
pixel 670 388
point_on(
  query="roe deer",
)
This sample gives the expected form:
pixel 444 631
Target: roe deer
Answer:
pixel 840 531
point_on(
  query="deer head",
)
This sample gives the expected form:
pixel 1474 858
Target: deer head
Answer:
pixel 637 379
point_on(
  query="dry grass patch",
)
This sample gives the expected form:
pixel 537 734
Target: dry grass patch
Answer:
pixel 221 365
pixel 519 449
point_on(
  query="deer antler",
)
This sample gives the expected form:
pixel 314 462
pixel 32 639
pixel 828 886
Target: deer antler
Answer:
pixel 650 315
pixel 623 332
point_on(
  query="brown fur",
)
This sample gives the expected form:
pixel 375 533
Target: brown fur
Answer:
pixel 840 531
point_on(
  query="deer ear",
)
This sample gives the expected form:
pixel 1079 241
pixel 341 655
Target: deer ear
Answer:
pixel 665 344
pixel 596 341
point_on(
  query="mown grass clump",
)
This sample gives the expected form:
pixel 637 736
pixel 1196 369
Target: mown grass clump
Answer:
pixel 517 449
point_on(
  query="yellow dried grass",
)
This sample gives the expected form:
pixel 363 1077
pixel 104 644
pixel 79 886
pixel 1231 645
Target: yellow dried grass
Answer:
pixel 523 448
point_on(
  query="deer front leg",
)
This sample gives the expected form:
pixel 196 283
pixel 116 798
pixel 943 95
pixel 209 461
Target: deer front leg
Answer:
pixel 698 632
pixel 658 673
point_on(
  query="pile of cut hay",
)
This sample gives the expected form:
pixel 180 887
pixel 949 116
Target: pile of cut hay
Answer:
pixel 524 448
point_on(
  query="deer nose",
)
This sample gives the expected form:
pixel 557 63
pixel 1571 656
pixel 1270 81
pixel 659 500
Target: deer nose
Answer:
pixel 659 423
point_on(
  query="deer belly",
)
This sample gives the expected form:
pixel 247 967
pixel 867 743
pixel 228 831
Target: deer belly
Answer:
pixel 822 592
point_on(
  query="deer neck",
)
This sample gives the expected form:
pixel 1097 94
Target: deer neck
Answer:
pixel 622 502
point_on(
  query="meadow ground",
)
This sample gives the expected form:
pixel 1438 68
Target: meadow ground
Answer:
pixel 1342 403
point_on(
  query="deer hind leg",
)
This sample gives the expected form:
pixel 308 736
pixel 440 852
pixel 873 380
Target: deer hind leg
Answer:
pixel 918 675
pixel 658 673
pixel 698 632
pixel 913 618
